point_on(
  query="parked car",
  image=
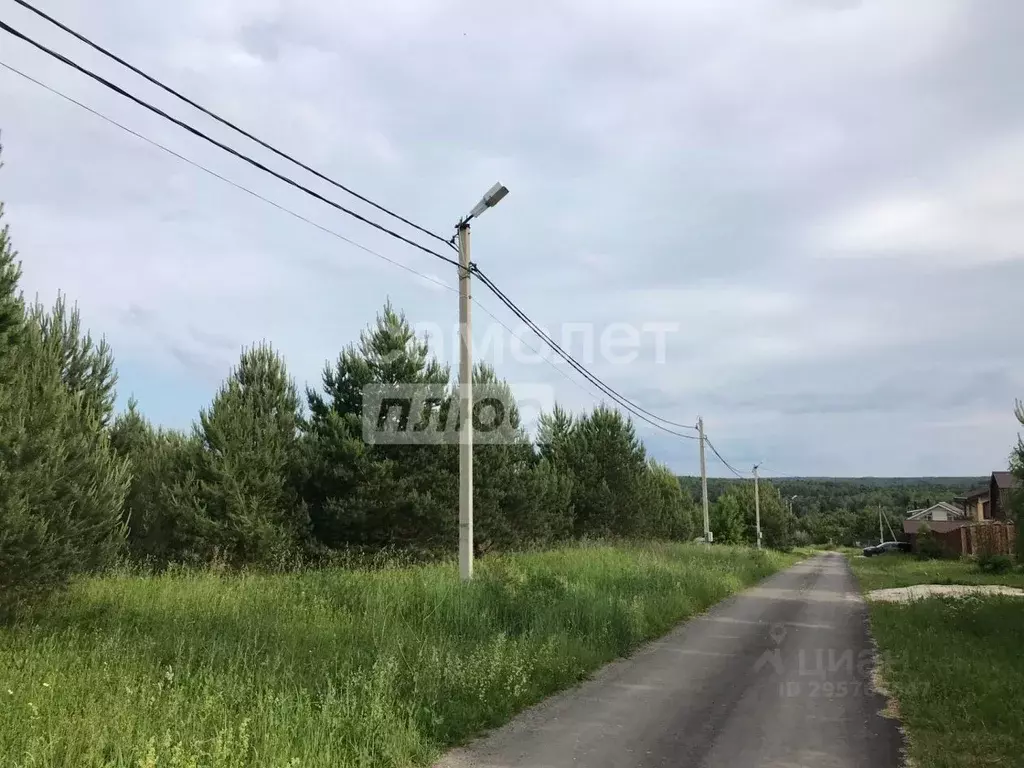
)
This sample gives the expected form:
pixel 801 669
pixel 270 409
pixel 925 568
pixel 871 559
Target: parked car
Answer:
pixel 886 547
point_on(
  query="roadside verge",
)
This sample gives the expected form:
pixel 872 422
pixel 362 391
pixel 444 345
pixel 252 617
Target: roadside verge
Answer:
pixel 951 663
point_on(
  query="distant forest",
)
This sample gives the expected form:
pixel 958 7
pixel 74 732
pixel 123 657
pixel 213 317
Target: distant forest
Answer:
pixel 845 510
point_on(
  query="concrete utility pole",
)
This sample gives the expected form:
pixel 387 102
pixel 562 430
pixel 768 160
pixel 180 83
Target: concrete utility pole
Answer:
pixel 493 196
pixel 465 409
pixel 704 483
pixel 757 507
pixel 881 533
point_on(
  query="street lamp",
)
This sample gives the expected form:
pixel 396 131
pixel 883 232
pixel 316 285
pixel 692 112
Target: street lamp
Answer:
pixel 757 507
pixel 492 197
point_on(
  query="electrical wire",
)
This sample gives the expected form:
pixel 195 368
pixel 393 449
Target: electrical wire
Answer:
pixel 633 408
pixel 722 459
pixel 223 121
pixel 226 180
pixel 290 212
pixel 196 132
pixel 539 332
pixel 781 474
pixel 533 349
pixel 621 399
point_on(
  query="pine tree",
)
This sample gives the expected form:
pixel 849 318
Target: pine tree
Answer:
pixel 671 512
pixel 554 431
pixel 519 499
pixel 160 512
pixel 61 485
pixel 607 464
pixel 353 499
pixel 246 453
pixel 388 352
pixel 87 368
pixel 379 495
pixel 12 307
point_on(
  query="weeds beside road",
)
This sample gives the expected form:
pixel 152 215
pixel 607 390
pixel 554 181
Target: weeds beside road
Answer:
pixel 333 668
pixel 954 666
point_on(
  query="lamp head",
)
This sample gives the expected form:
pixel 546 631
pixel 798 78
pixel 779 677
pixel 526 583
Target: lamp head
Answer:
pixel 493 196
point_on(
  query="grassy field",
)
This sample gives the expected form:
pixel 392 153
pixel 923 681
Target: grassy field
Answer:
pixel 334 667
pixel 899 570
pixel 955 667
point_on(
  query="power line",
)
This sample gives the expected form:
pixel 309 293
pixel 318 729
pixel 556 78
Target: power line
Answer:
pixel 633 408
pixel 288 211
pixel 226 180
pixel 196 132
pixel 722 459
pixel 539 332
pixel 621 400
pixel 776 473
pixel 533 349
pixel 224 121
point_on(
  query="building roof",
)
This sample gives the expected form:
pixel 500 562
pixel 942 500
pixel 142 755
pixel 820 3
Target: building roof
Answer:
pixel 975 494
pixel 951 510
pixel 939 526
pixel 1005 480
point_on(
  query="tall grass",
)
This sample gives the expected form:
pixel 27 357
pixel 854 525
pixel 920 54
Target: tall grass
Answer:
pixel 332 667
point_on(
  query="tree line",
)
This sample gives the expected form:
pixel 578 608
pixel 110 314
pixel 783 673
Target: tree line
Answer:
pixel 269 475
pixel 845 511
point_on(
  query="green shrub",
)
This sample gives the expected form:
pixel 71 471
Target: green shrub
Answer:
pixel 988 563
pixel 928 545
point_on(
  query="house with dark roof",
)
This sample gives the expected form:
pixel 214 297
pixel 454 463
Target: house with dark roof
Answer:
pixel 977 503
pixel 1000 487
pixel 985 505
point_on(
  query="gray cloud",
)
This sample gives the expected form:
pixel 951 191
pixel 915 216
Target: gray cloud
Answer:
pixel 823 195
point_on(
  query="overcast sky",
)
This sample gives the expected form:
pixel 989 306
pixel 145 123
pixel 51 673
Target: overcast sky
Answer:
pixel 824 198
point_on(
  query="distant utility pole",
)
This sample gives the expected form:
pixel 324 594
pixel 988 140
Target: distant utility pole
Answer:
pixel 881 533
pixel 757 507
pixel 704 483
